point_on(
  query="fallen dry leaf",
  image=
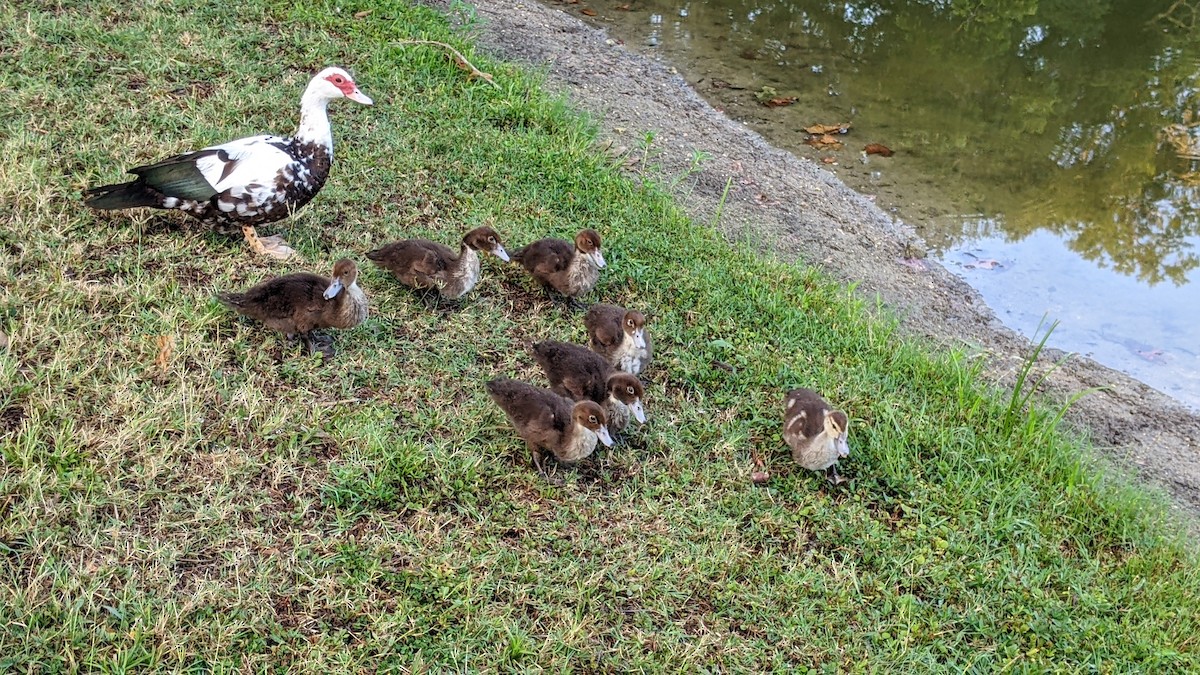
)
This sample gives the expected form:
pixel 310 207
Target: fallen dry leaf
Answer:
pixel 363 14
pixel 166 345
pixel 878 149
pixel 3 340
pixel 760 477
pixel 587 11
pixel 822 129
pixel 829 159
pixel 779 101
pixel 823 141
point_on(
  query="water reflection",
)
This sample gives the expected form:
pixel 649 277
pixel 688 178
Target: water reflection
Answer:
pixel 1037 115
pixel 1049 152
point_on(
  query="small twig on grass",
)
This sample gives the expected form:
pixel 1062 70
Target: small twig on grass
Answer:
pixel 1169 15
pixel 458 58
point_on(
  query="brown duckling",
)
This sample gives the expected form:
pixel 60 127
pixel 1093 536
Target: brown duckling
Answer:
pixel 581 374
pixel 619 335
pixel 298 304
pixel 547 421
pixel 570 270
pixel 816 432
pixel 420 263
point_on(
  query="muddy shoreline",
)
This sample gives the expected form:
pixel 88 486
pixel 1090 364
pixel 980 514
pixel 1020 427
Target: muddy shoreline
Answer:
pixel 806 213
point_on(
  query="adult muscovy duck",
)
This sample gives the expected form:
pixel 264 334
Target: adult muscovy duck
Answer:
pixel 247 182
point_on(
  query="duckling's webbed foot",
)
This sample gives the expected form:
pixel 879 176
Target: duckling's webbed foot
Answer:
pixel 436 302
pixel 537 458
pixel 324 344
pixel 832 476
pixel 577 305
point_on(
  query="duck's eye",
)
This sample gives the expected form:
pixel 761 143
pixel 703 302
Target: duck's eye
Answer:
pixel 338 79
pixel 629 323
pixel 492 239
pixel 592 419
pixel 629 389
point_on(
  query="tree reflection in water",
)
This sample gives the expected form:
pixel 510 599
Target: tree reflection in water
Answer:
pixel 1039 114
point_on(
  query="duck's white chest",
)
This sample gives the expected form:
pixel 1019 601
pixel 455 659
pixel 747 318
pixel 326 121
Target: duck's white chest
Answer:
pixel 618 414
pixel 816 454
pixel 354 309
pixel 465 276
pixel 582 275
pixel 629 357
pixel 581 444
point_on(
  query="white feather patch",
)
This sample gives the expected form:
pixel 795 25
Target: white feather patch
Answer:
pixel 253 160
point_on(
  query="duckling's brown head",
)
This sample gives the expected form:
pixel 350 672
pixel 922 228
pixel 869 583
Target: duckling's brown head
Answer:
pixel 628 389
pixel 486 239
pixel 634 325
pixel 837 427
pixel 591 415
pixel 345 275
pixel 587 242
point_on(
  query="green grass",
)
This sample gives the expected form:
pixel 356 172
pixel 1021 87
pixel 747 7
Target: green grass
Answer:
pixel 250 508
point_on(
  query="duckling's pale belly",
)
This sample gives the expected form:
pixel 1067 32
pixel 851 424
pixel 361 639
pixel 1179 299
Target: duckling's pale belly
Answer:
pixel 582 275
pixel 463 279
pixel 618 414
pixel 581 445
pixel 353 310
pixel 815 454
pixel 630 358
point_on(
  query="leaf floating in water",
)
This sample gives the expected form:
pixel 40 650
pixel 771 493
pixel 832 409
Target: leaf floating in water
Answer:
pixel 823 141
pixel 587 11
pixel 878 149
pixel 823 129
pixel 1152 355
pixel 779 101
pixel 767 92
pixel 984 264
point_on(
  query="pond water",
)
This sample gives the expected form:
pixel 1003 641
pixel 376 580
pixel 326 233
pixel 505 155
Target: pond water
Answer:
pixel 1048 152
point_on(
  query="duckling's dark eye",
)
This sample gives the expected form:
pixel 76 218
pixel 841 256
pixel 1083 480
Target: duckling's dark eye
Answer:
pixel 592 419
pixel 629 389
pixel 492 239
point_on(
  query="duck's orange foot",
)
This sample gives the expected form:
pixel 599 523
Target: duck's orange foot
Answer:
pixel 272 247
